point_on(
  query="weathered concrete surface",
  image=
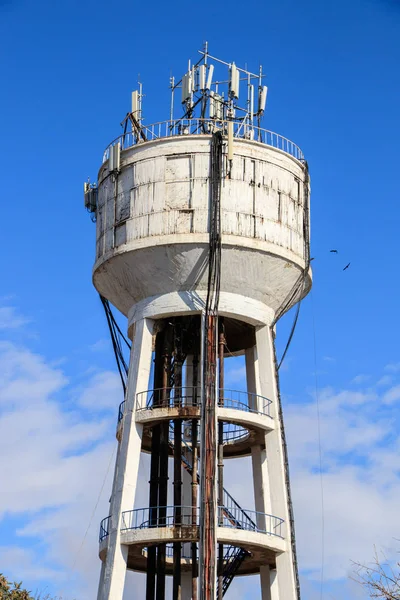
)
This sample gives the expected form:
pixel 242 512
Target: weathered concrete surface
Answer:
pixel 152 222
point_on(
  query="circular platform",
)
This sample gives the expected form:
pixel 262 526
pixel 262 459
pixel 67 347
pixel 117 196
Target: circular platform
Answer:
pixel 246 417
pixel 258 537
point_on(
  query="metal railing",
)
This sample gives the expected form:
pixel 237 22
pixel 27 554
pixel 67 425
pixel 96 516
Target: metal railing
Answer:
pixel 121 410
pixel 180 127
pixel 159 516
pixel 265 523
pixel 104 528
pixel 175 397
pixel 231 513
pixel 231 507
pixel 246 401
pixel 167 516
pixel 234 433
pixel 191 396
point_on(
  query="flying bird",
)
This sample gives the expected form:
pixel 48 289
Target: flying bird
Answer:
pixel 312 258
pixel 346 267
pixel 335 251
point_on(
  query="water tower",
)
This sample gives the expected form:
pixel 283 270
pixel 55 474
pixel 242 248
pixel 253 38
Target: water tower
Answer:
pixel 202 242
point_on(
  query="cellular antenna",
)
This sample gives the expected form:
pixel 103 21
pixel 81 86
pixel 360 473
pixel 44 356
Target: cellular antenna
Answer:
pixel 234 82
pixel 262 99
pixel 209 77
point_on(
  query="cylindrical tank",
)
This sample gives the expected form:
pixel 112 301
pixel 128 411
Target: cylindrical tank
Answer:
pixel 153 222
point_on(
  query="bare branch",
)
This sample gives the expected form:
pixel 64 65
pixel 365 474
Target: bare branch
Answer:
pixel 379 578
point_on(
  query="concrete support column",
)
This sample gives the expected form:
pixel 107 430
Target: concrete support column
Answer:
pixel 112 578
pixel 259 461
pixel 265 582
pixel 261 484
pixel 269 465
pixel 274 584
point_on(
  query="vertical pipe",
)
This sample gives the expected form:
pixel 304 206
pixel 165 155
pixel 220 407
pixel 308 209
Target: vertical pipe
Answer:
pixel 195 379
pixel 176 592
pixel 162 511
pixel 208 463
pixel 177 547
pixel 221 348
pixel 163 484
pixel 195 486
pixel 152 551
pixel 154 469
pixel 195 483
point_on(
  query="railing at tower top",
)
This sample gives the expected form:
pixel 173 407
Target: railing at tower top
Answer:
pixel 185 127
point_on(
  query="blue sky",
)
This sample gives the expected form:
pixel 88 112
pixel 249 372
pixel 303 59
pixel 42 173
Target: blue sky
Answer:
pixel 67 70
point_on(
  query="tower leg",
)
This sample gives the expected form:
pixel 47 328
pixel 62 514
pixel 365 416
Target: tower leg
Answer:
pixel 112 578
pixel 163 473
pixel 187 486
pixel 269 466
pixel 274 585
pixel 208 462
pixel 186 501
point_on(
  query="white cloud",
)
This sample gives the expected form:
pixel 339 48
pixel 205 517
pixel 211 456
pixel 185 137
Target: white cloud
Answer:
pixel 357 515
pixel 100 345
pixel 329 359
pixel 27 562
pixel 359 379
pixel 235 375
pixel 102 391
pixel 384 381
pixel 361 485
pixel 392 395
pixel 11 319
pixel 24 376
pixel 54 467
pixel 393 367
